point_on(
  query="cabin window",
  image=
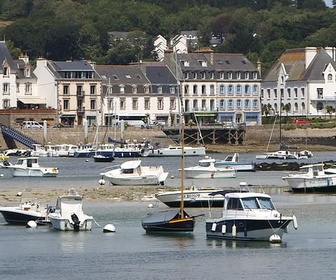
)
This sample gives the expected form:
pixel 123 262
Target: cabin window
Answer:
pixel 234 204
pixel 250 203
pixel 127 171
pixel 266 203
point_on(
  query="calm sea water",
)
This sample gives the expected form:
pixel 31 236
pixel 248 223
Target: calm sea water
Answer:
pixel 130 253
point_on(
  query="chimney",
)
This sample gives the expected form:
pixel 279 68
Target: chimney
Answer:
pixel 310 53
pixel 331 51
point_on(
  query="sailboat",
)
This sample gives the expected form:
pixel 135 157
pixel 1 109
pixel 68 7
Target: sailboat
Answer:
pixel 174 220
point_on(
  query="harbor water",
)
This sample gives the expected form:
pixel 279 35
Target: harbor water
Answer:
pixel 130 253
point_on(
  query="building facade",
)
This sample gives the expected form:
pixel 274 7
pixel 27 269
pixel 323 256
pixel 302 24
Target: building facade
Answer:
pixel 301 83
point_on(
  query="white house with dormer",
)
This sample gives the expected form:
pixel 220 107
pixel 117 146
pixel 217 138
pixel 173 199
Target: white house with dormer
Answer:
pixel 304 79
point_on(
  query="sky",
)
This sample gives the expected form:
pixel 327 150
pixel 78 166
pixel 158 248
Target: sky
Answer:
pixel 328 3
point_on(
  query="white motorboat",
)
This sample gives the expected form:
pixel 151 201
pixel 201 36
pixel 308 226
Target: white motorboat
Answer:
pixel 193 197
pixel 69 215
pixel 331 169
pixel 232 161
pixel 206 168
pixel 23 213
pixel 29 167
pixel 310 178
pixel 249 216
pixel 285 154
pixel 132 173
pixel 176 151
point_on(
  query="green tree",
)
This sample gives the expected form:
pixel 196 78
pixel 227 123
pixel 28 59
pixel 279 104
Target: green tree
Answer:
pixel 330 110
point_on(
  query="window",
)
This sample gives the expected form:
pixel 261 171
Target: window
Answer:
pixel 302 92
pixel 230 75
pixel 194 75
pixel 212 89
pixel 282 93
pixel 246 75
pixel 172 89
pixel 230 104
pixel 17 87
pixel 110 103
pixel 134 89
pixel 239 104
pixel 92 89
pixel 172 104
pixel 6 103
pixel 221 104
pixel 5 89
pixel 247 89
pixel 320 93
pixel 195 89
pixel 186 89
pixel 122 89
pixel 247 104
pixel 159 89
pixel 221 89
pixel 330 78
pixel 212 105
pixel 195 105
pixel 67 75
pixel 66 104
pixel 212 75
pixel 295 93
pixel 203 89
pixel 122 104
pixel 296 107
pixel 186 75
pixel 238 75
pixel 255 103
pixel 230 89
pixel 65 89
pixel 128 76
pixel 202 75
pixel 255 89
pixel 268 93
pixel 80 91
pixel 239 89
pixel 319 106
pixel 160 104
pixel 134 103
pixel 288 93
pixel 147 104
pixel 255 75
pixel 204 105
pixel 275 93
pixel 6 71
pixel 221 75
pixel 28 90
pixel 93 104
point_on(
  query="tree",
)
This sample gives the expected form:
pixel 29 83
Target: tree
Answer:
pixel 330 110
pixel 287 108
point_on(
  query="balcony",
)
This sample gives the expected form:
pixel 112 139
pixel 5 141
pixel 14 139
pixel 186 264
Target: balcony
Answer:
pixel 80 94
pixel 80 111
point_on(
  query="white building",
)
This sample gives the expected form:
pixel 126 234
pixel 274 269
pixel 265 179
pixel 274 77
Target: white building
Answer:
pixel 304 80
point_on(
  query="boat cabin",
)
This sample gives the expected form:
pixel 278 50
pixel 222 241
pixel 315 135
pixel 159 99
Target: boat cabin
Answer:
pixel 248 201
pixel 312 169
pixel 131 167
pixel 28 162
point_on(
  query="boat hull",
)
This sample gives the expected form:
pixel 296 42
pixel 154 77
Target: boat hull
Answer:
pixel 246 229
pixel 168 221
pixel 136 181
pixel 196 173
pixel 176 152
pixel 31 172
pixel 239 167
pixel 191 199
pixel 66 225
pixel 317 184
pixel 20 217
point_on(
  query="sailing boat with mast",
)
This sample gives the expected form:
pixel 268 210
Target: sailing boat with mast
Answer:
pixel 174 220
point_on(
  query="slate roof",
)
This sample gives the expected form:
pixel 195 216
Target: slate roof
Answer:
pixel 160 74
pixel 121 74
pixel 5 55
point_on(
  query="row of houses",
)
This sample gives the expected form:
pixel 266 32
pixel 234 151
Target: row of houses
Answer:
pixel 208 87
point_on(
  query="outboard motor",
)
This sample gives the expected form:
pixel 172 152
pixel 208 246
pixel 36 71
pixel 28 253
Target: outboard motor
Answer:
pixel 76 221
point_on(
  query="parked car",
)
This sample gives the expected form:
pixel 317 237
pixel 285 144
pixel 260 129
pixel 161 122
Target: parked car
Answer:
pixel 301 121
pixel 31 124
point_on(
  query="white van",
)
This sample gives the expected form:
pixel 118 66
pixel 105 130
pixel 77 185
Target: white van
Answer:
pixel 31 124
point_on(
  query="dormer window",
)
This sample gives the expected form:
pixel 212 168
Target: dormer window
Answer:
pixel 238 76
pixel 230 75
pixel 128 76
pixel 203 63
pixel 27 72
pixel 185 63
pixel 330 78
pixel 6 71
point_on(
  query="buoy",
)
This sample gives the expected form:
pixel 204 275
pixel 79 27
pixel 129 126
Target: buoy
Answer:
pixel 31 224
pixel 109 228
pixel 172 176
pixel 213 227
pixel 1 175
pixel 101 182
pixel 234 230
pixel 19 194
pixel 87 160
pixel 275 238
pixel 223 229
pixel 295 223
pixel 150 205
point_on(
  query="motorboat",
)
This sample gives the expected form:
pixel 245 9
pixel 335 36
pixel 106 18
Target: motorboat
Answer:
pixel 249 216
pixel 331 169
pixel 285 154
pixel 3 156
pixel 311 178
pixel 26 211
pixel 207 168
pixel 232 161
pixel 176 151
pixel 193 197
pixel 68 214
pixel 102 158
pixel 132 173
pixel 29 167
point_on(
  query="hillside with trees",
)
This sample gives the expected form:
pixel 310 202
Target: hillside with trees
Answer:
pixel 81 29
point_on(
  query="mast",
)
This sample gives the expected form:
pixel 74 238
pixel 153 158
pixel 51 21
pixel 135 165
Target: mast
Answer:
pixel 182 167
